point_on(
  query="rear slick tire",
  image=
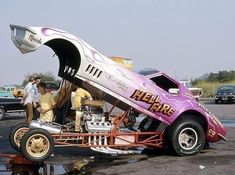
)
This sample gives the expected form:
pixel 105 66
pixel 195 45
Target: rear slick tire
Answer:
pixel 186 137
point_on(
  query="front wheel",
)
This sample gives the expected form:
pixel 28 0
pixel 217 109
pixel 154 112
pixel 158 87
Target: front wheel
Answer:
pixel 37 145
pixel 186 137
pixel 16 134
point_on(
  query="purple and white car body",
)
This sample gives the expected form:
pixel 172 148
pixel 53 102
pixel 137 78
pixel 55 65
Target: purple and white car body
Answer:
pixel 153 95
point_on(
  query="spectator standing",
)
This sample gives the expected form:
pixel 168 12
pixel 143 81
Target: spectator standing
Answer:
pixel 46 102
pixel 36 114
pixel 28 99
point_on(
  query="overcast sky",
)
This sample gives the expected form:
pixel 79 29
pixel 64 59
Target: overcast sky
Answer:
pixel 183 38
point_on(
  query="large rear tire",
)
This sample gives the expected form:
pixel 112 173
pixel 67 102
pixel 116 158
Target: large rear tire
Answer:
pixel 37 145
pixel 185 137
pixel 16 135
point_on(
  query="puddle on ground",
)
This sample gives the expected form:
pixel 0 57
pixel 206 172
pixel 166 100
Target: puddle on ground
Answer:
pixel 53 169
pixel 63 165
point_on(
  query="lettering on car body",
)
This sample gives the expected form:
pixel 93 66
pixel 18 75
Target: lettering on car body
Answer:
pixel 211 133
pixel 154 100
pixel 212 116
pixel 33 38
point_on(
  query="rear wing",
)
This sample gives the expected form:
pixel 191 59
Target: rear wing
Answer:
pixel 23 37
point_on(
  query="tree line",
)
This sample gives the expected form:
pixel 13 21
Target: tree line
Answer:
pixel 48 76
pixel 221 77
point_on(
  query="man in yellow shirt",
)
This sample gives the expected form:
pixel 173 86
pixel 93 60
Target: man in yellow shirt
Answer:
pixel 47 103
pixel 80 94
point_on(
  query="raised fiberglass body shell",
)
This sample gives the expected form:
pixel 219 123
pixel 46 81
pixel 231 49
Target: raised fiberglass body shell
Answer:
pixel 79 62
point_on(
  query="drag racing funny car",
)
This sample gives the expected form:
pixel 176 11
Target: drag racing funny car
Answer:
pixel 172 119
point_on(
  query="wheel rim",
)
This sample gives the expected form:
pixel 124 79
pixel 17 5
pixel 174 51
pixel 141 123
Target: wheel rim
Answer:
pixel 19 134
pixel 188 138
pixel 37 145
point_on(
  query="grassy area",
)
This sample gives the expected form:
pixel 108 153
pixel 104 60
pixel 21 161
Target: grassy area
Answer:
pixel 209 89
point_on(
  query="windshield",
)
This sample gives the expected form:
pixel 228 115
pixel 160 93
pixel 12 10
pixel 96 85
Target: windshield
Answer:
pixel 188 85
pixel 225 89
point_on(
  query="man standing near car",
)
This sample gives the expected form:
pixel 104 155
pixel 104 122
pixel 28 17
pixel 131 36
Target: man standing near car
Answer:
pixel 36 114
pixel 31 99
pixel 27 100
pixel 46 102
pixel 80 94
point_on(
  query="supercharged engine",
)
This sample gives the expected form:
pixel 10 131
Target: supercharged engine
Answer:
pixel 95 122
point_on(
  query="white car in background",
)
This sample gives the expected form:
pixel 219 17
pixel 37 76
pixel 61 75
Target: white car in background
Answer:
pixel 196 92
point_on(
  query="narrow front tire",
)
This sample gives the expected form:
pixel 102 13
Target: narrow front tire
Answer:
pixel 37 145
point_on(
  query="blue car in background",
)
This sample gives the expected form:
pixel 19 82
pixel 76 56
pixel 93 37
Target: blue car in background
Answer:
pixel 6 91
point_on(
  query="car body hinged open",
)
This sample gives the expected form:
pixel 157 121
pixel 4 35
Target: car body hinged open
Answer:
pixel 172 119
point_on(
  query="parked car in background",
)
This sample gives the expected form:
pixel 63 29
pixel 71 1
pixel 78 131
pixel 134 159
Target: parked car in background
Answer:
pixel 18 92
pixel 10 104
pixel 197 92
pixel 52 87
pixel 6 91
pixel 225 93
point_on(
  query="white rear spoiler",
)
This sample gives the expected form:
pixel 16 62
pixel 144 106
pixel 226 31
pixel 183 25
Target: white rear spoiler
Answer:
pixel 25 38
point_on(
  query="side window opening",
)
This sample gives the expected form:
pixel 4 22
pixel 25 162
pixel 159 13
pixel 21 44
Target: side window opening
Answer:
pixel 166 84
